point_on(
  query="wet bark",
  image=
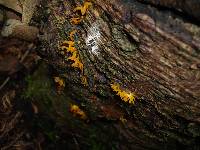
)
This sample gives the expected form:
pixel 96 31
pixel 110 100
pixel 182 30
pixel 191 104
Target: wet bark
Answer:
pixel 191 8
pixel 151 52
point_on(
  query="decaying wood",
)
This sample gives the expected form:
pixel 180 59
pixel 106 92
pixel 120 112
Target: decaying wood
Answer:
pixel 151 52
pixel 191 8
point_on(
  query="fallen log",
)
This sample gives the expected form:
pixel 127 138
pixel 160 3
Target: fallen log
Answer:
pixel 130 47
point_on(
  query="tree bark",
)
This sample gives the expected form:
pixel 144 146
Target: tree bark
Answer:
pixel 192 8
pixel 148 51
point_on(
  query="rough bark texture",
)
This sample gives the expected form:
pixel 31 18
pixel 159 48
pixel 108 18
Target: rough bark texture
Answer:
pixel 192 8
pixel 152 52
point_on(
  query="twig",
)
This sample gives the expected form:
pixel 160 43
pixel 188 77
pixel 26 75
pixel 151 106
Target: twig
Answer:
pixel 76 143
pixel 4 83
pixel 13 142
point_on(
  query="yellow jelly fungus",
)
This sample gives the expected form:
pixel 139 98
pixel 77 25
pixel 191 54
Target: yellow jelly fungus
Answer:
pixel 76 20
pixel 70 49
pixel 83 8
pixel 71 35
pixel 125 96
pixel 70 43
pixel 84 81
pixel 77 63
pixel 59 83
pixel 123 120
pixel 73 57
pixel 76 111
pixel 69 46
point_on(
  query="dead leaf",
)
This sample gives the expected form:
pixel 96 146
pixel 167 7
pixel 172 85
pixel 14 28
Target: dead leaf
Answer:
pixel 12 4
pixel 9 65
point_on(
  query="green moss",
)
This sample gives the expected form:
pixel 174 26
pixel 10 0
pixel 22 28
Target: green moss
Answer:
pixel 39 86
pixel 54 114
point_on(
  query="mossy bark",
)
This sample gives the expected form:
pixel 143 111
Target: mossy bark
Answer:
pixel 151 52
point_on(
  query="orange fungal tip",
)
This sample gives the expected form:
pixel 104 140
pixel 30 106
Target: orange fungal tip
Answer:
pixel 71 35
pixel 75 21
pixel 84 80
pixel 69 46
pixel 83 9
pixel 76 111
pixel 125 96
pixel 60 83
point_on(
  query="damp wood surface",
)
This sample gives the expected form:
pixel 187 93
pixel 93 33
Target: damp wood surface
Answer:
pixel 151 52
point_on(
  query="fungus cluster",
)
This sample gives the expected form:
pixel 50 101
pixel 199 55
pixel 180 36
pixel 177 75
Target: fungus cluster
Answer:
pixel 60 84
pixel 76 111
pixel 124 95
pixel 68 46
